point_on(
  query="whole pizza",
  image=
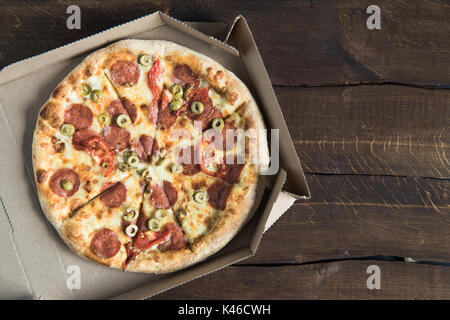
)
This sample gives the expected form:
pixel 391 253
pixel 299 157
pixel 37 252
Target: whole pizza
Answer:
pixel 148 156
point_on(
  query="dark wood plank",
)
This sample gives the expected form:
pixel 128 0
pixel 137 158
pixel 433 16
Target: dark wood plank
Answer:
pixel 327 42
pixel 370 129
pixel 358 216
pixel 337 280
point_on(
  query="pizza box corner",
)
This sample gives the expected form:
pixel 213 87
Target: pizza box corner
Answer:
pixel 38 264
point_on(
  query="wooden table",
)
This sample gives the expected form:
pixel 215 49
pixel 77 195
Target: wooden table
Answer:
pixel 369 113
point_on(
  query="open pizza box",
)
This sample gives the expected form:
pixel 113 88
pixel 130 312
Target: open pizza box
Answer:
pixel 35 263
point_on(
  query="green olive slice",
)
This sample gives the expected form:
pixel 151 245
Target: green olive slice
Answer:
pixel 131 230
pixel 131 213
pixel 175 105
pixel 160 214
pixel 67 129
pixel 104 119
pixel 154 225
pixel 105 165
pixel 85 89
pixel 176 168
pixel 145 173
pixel 217 124
pixel 132 160
pixel 200 196
pixel 123 120
pixel 96 95
pixel 197 107
pixel 145 60
pixel 177 91
pixel 123 166
pixel 66 185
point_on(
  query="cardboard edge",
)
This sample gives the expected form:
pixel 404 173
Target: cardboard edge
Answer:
pixel 241 24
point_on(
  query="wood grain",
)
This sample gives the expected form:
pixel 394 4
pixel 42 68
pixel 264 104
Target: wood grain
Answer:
pixel 355 216
pixel 374 129
pixel 327 42
pixel 336 280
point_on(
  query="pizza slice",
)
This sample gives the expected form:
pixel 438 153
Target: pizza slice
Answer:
pixel 102 229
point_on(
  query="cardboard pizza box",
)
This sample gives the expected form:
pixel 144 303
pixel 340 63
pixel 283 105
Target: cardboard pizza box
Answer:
pixel 36 264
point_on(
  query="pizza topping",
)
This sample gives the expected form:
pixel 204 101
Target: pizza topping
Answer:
pixel 153 77
pixel 59 147
pixel 143 241
pixel 131 213
pixel 171 192
pixel 85 90
pixel 159 198
pixel 124 73
pixel 117 138
pixel 115 108
pixel 81 135
pixel 166 116
pixel 131 230
pixel 79 115
pixel 131 109
pixel 177 91
pixel 208 164
pixel 176 240
pixel 96 95
pixel 123 167
pixel 184 75
pixel 105 243
pixel 205 114
pixel 145 60
pixel 100 149
pixel 104 119
pixel 200 196
pixel 66 185
pixel 41 175
pixel 114 196
pixel 123 120
pixel 234 173
pixel 132 160
pixel 147 144
pixel 176 168
pixel 67 129
pixel 189 166
pixel 65 175
pixel 131 254
pixel 176 105
pixel 217 124
pixel 160 214
pixel 218 194
pixel 154 224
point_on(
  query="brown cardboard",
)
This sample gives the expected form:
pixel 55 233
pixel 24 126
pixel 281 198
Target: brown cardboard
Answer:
pixel 41 259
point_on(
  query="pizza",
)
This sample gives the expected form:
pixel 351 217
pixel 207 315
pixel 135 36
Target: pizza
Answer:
pixel 148 156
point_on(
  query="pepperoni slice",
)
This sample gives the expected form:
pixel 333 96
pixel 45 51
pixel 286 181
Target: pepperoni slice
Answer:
pixel 184 75
pixel 189 166
pixel 209 112
pixel 114 196
pixel 159 198
pixel 105 243
pixel 234 174
pixel 64 174
pixel 81 135
pixel 147 145
pixel 79 115
pixel 115 108
pixel 171 192
pixel 166 116
pixel 176 240
pixel 131 109
pixel 124 72
pixel 218 194
pixel 117 138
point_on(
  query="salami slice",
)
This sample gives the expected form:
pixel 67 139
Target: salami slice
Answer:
pixel 176 240
pixel 81 135
pixel 189 165
pixel 105 243
pixel 131 109
pixel 159 198
pixel 171 192
pixel 234 174
pixel 79 115
pixel 209 112
pixel 147 145
pixel 184 75
pixel 124 73
pixel 64 174
pixel 114 196
pixel 116 137
pixel 218 194
pixel 166 116
pixel 115 108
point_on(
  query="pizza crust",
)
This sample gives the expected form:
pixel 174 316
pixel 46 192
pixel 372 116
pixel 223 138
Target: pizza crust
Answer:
pixel 245 196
